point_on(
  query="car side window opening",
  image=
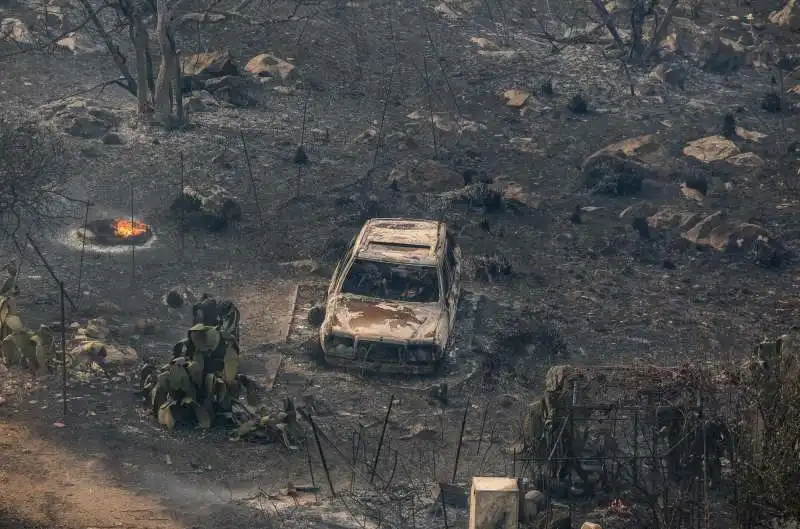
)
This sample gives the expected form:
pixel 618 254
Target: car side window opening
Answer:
pixel 392 282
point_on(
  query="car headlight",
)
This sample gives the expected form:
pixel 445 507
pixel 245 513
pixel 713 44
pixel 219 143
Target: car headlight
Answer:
pixel 422 353
pixel 340 346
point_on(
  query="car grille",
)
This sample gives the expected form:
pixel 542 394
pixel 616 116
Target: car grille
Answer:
pixel 379 352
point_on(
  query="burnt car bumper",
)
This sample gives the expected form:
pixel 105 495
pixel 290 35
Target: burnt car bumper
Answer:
pixel 380 367
pixel 382 357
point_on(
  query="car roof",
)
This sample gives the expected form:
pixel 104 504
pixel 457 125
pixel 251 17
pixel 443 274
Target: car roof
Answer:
pixel 397 240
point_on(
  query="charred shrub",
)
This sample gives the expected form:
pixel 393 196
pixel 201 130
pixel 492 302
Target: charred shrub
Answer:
pixel 33 170
pixel 493 267
pixel 514 357
pixel 771 102
pixel 482 196
pixel 546 87
pixel 578 104
pixel 613 176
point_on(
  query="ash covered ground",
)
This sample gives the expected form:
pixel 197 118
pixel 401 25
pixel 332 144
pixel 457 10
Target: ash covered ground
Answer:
pixel 389 91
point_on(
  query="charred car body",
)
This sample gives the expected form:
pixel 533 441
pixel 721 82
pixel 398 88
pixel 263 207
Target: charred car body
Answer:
pixel 392 301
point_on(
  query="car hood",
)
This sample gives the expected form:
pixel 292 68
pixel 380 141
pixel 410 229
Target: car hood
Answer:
pixel 367 318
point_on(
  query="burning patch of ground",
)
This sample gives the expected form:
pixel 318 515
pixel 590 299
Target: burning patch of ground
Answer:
pixel 110 235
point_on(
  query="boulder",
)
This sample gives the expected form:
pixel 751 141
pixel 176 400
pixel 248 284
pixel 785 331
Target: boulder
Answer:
pixel 671 75
pixel 412 175
pixel 620 168
pixel 198 67
pixel 80 43
pixel 707 48
pixel 516 98
pixel 484 44
pixel 199 18
pixel 535 502
pixel 669 218
pixel 232 89
pixel 711 149
pixel 201 101
pixel 267 65
pixel 121 355
pixel 209 207
pixel 112 138
pixel 747 160
pixel 15 30
pixel 718 233
pixel 79 117
pixel 788 17
pixel 639 210
pixel 590 525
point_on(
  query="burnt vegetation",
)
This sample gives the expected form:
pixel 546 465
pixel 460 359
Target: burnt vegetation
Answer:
pixel 33 171
pixel 624 287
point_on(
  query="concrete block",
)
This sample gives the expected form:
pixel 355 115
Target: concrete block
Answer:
pixel 494 503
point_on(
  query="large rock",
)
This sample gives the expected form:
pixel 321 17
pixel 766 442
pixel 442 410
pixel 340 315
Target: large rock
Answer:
pixel 620 168
pixel 80 43
pixel 199 18
pixel 79 117
pixel 267 65
pixel 199 67
pixel 668 218
pixel 671 75
pixel 232 89
pixel 209 207
pixel 788 17
pixel 707 48
pixel 747 160
pixel 711 149
pixel 717 232
pixel 15 30
pixel 200 101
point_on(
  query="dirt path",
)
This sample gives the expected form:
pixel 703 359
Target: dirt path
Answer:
pixel 42 484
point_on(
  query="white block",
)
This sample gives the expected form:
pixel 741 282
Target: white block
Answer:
pixel 494 503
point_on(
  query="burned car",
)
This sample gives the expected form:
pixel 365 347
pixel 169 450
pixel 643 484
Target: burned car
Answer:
pixel 392 301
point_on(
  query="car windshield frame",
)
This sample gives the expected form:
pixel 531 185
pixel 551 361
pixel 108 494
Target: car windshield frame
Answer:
pixel 384 276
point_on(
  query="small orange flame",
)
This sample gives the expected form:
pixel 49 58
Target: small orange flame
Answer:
pixel 125 229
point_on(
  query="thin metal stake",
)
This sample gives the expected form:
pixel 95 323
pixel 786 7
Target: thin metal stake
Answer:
pixel 83 251
pixel 180 210
pixel 63 351
pixel 380 443
pixel 310 467
pixel 321 454
pixel 133 246
pixel 444 510
pixel 302 140
pixel 483 425
pixel 250 175
pixel 460 440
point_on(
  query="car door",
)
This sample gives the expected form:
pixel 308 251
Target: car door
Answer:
pixel 340 268
pixel 451 271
